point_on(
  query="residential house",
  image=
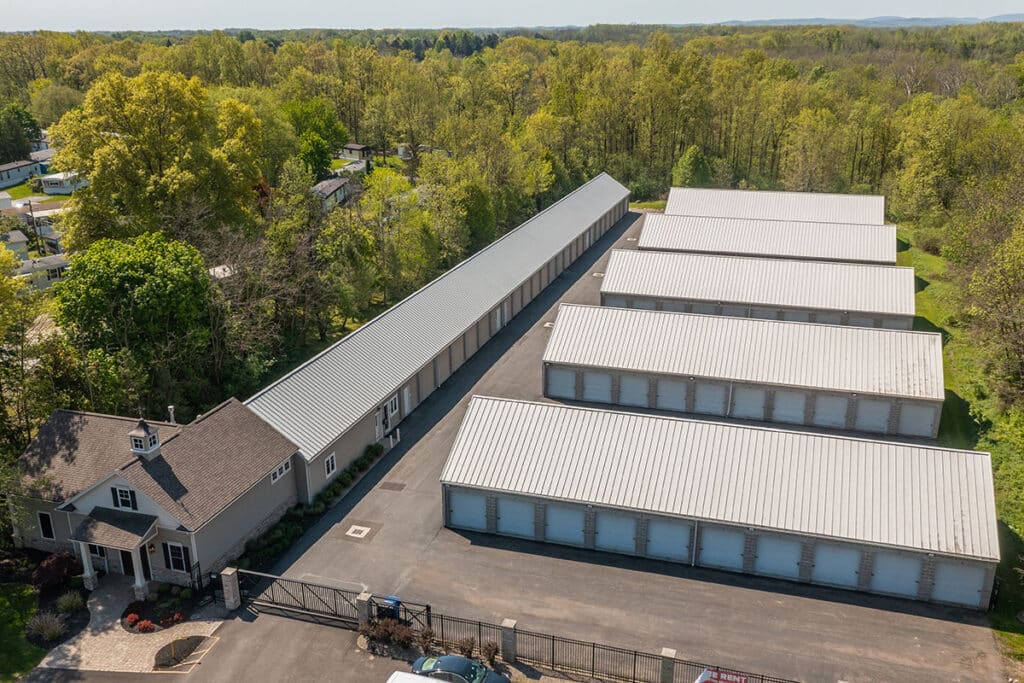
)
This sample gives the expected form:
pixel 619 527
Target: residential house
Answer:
pixel 356 151
pixel 41 144
pixel 157 501
pixel 43 157
pixel 332 192
pixel 44 271
pixel 16 241
pixel 5 200
pixel 17 172
pixel 62 183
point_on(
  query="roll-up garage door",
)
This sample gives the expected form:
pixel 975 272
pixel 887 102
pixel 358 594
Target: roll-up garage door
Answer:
pixel 862 321
pixel 789 406
pixel 597 386
pixel 896 323
pixel 748 403
pixel 706 309
pixel 828 318
pixel 721 547
pixel 710 399
pixel 872 415
pixel 958 583
pixel 675 306
pixel 564 524
pixel 917 420
pixel 561 383
pixel 671 394
pixel 645 304
pixel 797 316
pixel 615 532
pixel 829 411
pixel 778 556
pixel 896 574
pixel 617 301
pixel 515 517
pixel 468 509
pixel 735 311
pixel 668 539
pixel 633 390
pixel 836 565
pixel 764 313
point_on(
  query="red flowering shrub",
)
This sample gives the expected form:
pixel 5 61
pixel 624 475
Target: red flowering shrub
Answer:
pixel 146 626
pixel 179 617
pixel 131 619
pixel 165 621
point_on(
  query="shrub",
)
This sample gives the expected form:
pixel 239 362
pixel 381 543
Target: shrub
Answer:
pixel 390 631
pixel 146 626
pixel 131 619
pixel 489 651
pixel 465 646
pixel 76 583
pixel 56 570
pixel 166 621
pixel 46 626
pixel 71 601
pixel 185 594
pixel 178 617
pixel 345 478
pixel 163 588
pixel 375 450
pixel 424 639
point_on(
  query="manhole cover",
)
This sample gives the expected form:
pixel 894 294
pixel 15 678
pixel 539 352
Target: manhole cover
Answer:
pixel 392 486
pixel 356 531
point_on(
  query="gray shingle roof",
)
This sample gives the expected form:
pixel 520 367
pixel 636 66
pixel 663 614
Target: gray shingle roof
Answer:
pixel 13 237
pixel 114 528
pixel 322 399
pixel 325 188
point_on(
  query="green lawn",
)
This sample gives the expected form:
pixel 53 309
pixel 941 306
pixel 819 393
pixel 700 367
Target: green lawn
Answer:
pixel 657 204
pixel 18 603
pixel 338 163
pixel 23 190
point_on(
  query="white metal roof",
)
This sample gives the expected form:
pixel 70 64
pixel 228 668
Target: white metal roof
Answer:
pixel 779 239
pixel 813 285
pixel 319 401
pixel 839 358
pixel 890 494
pixel 777 206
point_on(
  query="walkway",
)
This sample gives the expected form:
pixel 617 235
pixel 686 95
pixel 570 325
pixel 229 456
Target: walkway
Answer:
pixel 105 646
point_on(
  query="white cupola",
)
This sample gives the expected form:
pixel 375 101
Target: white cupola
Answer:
pixel 145 440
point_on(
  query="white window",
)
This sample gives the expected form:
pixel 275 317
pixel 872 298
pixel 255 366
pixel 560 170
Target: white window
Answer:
pixel 393 405
pixel 138 444
pixel 280 471
pixel 152 440
pixel 330 464
pixel 46 525
pixel 124 498
pixel 97 550
pixel 176 557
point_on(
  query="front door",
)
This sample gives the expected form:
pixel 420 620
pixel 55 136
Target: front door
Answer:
pixel 127 566
pixel 146 572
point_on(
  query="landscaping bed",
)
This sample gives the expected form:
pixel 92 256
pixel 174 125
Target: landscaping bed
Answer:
pixel 170 605
pixel 177 651
pixel 61 611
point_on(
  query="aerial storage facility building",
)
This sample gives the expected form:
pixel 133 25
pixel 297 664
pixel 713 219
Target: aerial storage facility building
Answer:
pixel 845 242
pixel 776 289
pixel 896 519
pixel 813 207
pixel 829 376
pixel 357 392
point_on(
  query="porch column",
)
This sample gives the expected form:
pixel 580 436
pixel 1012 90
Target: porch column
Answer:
pixel 141 587
pixel 88 574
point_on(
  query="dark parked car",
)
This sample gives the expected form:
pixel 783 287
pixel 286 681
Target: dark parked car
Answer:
pixel 456 670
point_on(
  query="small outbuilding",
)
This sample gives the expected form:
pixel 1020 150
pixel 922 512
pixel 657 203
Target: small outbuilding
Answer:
pixel 332 192
pixel 816 207
pixel 896 519
pixel 775 289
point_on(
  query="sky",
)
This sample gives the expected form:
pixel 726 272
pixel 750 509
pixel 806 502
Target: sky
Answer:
pixel 18 15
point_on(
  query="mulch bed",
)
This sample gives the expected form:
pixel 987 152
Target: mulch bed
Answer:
pixel 150 616
pixel 75 621
pixel 176 652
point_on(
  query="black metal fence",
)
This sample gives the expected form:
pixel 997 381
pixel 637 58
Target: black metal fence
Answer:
pixel 301 596
pixel 453 631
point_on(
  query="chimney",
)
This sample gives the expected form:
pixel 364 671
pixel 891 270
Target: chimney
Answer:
pixel 170 412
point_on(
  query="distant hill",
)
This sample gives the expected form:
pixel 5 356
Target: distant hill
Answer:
pixel 883 22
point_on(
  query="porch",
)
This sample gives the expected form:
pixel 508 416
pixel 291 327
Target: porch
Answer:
pixel 116 542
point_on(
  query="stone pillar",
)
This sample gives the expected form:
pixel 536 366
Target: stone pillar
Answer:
pixel 141 587
pixel 668 665
pixel 363 608
pixel 232 592
pixel 89 579
pixel 508 641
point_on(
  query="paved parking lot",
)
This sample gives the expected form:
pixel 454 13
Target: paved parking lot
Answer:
pixel 761 625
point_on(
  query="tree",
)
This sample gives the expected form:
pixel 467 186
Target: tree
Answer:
pixel 50 101
pixel 318 116
pixel 315 154
pixel 692 169
pixel 812 153
pixel 17 131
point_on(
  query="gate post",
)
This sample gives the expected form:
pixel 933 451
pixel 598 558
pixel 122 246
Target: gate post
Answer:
pixel 668 665
pixel 508 641
pixel 232 593
pixel 363 608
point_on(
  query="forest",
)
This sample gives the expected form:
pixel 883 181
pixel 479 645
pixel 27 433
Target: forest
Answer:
pixel 201 149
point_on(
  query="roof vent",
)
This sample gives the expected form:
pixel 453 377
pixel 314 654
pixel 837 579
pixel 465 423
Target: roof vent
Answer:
pixel 145 440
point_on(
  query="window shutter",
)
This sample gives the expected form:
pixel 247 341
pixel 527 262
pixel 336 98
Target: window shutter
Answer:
pixel 167 556
pixel 188 558
pixel 135 503
pixel 113 494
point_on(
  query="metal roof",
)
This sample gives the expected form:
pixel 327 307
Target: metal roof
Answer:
pixel 777 206
pixel 812 285
pixel 322 399
pixel 889 494
pixel 779 239
pixel 838 358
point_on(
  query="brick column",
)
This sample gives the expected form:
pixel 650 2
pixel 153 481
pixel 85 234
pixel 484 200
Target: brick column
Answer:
pixel 668 665
pixel 232 592
pixel 749 551
pixel 89 579
pixel 508 641
pixel 589 528
pixel 866 570
pixel 363 608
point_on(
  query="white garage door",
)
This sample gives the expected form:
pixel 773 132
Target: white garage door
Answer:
pixel 798 316
pixel 836 565
pixel 788 406
pixel 748 402
pixel 561 383
pixel 668 539
pixel 873 415
pixel 958 583
pixel 778 556
pixel 645 304
pixel 618 301
pixel 917 420
pixel 597 386
pixel 633 390
pixel 468 509
pixel 515 517
pixel 615 532
pixel 709 399
pixel 564 525
pixel 896 574
pixel 671 394
pixel 721 547
pixel 828 318
pixel 830 411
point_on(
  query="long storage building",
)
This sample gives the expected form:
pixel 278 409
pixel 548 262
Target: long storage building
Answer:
pixel 356 392
pixel 812 241
pixel 896 519
pixel 828 376
pixel 815 207
pixel 776 289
